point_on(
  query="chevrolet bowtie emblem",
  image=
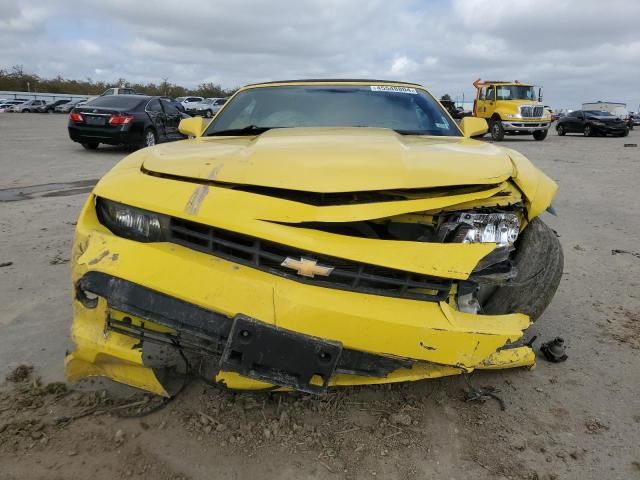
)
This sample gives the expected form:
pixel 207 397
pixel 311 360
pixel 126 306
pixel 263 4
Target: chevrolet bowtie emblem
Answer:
pixel 306 267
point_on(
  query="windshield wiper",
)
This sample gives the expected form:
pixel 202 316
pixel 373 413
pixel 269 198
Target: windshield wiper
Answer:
pixel 436 133
pixel 248 130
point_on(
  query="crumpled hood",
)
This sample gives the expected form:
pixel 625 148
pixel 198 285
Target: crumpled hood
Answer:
pixel 328 160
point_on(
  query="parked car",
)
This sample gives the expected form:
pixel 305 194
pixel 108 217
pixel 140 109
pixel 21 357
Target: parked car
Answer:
pixel 67 107
pixel 314 233
pixel 9 105
pixel 207 108
pixel 188 101
pixel 51 107
pixel 133 120
pixel 592 122
pixel 616 109
pixel 29 106
pixel 635 118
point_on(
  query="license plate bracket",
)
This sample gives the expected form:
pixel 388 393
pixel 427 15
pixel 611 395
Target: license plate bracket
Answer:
pixel 279 356
pixel 95 120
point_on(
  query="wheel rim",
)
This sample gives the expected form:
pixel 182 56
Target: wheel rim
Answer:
pixel 150 140
pixel 587 130
pixel 495 130
pixel 208 114
pixel 560 130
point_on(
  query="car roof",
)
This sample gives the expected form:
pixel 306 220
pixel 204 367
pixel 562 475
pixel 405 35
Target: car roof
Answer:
pixel 334 80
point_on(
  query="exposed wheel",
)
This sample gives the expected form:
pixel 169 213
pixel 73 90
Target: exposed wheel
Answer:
pixel 539 262
pixel 26 110
pixel 149 138
pixel 208 114
pixel 561 131
pixel 540 134
pixel 588 132
pixel 497 130
pixel 91 145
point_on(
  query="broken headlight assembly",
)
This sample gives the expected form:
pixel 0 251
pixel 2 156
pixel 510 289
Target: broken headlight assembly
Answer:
pixel 131 222
pixel 470 227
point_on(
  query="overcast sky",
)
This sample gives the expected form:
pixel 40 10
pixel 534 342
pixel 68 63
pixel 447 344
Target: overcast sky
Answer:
pixel 580 50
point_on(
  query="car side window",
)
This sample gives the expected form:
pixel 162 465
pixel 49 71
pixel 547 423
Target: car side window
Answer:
pixel 169 108
pixel 154 106
pixel 483 92
pixel 489 93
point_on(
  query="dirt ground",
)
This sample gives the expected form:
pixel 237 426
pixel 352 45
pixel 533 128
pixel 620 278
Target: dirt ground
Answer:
pixel 574 420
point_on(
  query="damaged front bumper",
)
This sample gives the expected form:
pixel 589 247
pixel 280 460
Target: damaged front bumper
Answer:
pixel 147 313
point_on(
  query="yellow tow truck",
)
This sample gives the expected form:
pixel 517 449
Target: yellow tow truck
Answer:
pixel 511 108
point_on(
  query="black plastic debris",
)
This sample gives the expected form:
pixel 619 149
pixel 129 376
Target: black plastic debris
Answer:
pixel 554 350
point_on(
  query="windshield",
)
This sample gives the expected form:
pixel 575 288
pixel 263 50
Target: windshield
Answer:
pixel 406 110
pixel 515 92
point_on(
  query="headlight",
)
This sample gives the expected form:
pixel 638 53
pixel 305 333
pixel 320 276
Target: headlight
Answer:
pixel 468 227
pixel 131 222
pixel 512 115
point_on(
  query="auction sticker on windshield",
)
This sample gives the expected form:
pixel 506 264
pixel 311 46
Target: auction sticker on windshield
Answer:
pixel 389 88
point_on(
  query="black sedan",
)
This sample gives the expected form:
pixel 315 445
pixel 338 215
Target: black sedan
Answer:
pixel 592 122
pixel 131 120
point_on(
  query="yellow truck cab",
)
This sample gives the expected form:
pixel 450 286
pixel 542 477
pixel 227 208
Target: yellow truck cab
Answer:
pixel 512 108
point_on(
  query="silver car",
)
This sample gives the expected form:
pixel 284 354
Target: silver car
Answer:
pixel 10 105
pixel 29 106
pixel 207 108
pixel 67 107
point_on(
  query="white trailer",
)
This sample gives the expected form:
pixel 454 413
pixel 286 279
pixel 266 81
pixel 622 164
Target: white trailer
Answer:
pixel 614 108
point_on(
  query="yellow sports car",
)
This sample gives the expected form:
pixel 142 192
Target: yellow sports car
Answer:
pixel 312 234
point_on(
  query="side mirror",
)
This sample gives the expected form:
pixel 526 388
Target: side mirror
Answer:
pixel 473 126
pixel 540 94
pixel 192 127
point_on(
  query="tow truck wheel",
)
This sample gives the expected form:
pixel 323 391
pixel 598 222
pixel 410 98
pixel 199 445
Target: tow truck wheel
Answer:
pixel 540 134
pixel 497 131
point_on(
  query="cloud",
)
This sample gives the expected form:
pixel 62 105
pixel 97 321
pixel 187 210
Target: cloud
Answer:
pixel 579 50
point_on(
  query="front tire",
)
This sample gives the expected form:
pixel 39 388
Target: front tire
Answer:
pixel 149 138
pixel 539 261
pixel 91 145
pixel 208 114
pixel 588 131
pixel 497 130
pixel 561 131
pixel 540 134
pixel 625 133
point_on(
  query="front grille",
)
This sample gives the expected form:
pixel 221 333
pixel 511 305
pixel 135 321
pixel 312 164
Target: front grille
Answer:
pixel 268 256
pixel 531 111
